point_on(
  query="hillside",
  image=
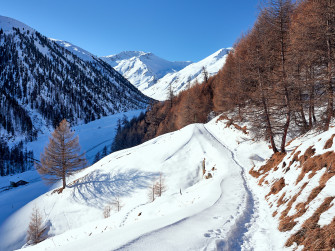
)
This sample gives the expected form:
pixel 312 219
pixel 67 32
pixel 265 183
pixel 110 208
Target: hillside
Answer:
pixel 188 76
pixel 189 200
pixel 41 83
pixel 299 188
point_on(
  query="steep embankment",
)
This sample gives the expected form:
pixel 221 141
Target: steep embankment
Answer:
pixel 300 190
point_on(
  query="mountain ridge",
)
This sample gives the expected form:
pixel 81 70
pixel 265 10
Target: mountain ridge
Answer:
pixel 142 70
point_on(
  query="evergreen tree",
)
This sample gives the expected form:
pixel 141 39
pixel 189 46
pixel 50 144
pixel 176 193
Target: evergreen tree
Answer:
pixel 104 152
pixel 97 157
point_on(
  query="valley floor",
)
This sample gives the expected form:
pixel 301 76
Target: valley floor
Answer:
pixel 226 212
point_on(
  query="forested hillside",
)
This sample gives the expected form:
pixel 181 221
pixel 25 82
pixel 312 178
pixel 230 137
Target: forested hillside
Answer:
pixel 279 77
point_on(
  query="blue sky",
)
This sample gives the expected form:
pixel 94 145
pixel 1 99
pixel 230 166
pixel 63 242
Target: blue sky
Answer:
pixel 176 30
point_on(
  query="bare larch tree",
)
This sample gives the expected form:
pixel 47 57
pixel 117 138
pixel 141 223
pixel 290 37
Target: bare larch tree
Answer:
pixel 61 157
pixel 36 230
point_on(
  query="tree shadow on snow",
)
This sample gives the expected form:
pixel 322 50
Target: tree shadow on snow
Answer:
pixel 97 188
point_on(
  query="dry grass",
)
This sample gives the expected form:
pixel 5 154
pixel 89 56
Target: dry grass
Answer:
pixel 311 235
pixel 329 142
pixel 315 164
pixel 58 190
pixel 230 122
pixel 286 223
pixel 273 162
pixel 281 200
pixel 277 187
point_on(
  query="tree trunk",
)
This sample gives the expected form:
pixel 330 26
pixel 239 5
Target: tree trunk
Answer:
pixel 288 119
pixel 64 181
pixel 267 116
pixel 329 71
pixel 301 110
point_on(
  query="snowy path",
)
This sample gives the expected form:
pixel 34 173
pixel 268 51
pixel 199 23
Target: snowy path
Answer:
pixel 220 227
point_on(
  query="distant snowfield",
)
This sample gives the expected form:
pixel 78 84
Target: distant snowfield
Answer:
pixel 224 212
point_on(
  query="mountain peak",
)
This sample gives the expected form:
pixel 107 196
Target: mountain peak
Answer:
pixel 127 55
pixel 142 69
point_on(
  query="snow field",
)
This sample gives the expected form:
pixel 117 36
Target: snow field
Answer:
pixel 205 215
pixel 128 174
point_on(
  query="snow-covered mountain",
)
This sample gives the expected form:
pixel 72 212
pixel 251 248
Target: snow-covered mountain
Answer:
pixel 153 75
pixel 42 83
pixel 143 69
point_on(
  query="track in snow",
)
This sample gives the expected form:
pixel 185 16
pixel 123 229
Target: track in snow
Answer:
pixel 236 235
pixel 219 227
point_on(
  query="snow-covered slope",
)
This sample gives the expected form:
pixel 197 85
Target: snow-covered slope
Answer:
pixel 7 24
pixel 192 72
pixel 93 137
pixel 153 75
pixel 142 69
pixel 79 52
pixel 300 189
pixel 194 213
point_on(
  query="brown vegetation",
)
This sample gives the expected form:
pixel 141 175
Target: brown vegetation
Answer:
pixel 329 142
pixel 277 186
pixel 61 157
pixel 273 162
pixel 36 229
pixel 311 235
